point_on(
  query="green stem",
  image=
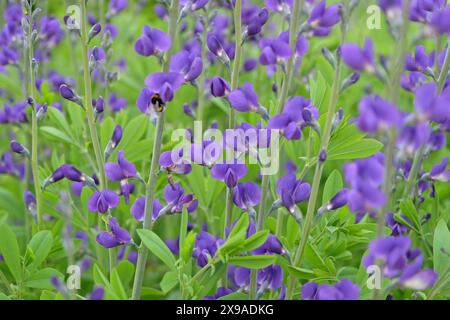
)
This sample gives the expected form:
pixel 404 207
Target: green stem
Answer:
pixel 394 95
pixel 234 85
pixel 201 78
pixel 290 68
pixel 154 167
pixel 34 129
pixel 237 58
pixel 99 156
pixel 299 254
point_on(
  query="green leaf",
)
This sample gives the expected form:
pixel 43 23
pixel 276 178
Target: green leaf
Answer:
pixel 235 296
pixel 60 121
pixel 41 278
pixel 125 270
pixel 134 131
pixel 169 281
pixel 300 273
pixel 441 247
pixel 4 296
pixel 57 135
pixel 9 248
pixel 154 243
pixel 236 236
pixel 186 249
pixel 332 186
pixel 40 245
pixel 253 242
pixel 183 227
pixel 117 286
pixel 253 262
pixel 359 149
pixel 409 210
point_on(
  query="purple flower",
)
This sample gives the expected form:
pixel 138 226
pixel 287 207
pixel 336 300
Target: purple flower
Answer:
pixel 255 24
pixel 221 292
pixel 244 99
pixel 298 113
pixel 219 87
pixel 116 136
pixel 400 261
pixel 365 177
pixel 338 201
pixel 412 137
pixel 162 84
pixel 282 6
pixel 292 191
pixel 246 195
pixel 219 48
pixel 51 32
pixel 19 148
pixel 440 20
pixel 229 173
pixel 116 103
pixel 396 227
pixel 206 245
pixel 122 171
pixel 194 5
pixel 69 94
pixel 152 41
pixel 97 55
pixel 102 201
pixel 188 64
pixel 97 293
pixel 421 61
pixel 30 202
pixel 271 246
pixel 117 6
pixel 173 162
pixel 138 209
pixel 273 50
pixel 117 235
pixel 342 290
pixel 206 154
pixel 413 81
pixel 357 58
pixel 431 106
pixel 177 200
pixel 439 172
pixel 376 114
pixel 323 18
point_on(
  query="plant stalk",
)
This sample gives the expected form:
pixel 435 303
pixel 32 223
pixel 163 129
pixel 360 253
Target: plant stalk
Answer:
pixel 154 167
pixel 394 95
pixel 234 85
pixel 34 127
pixel 307 226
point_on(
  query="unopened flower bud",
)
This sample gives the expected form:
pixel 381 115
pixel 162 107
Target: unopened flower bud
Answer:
pixel 19 148
pixel 219 87
pixel 67 93
pixel 95 30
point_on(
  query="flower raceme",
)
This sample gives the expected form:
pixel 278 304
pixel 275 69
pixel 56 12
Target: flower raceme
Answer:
pixel 400 261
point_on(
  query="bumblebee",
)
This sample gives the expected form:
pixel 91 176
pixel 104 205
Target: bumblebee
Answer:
pixel 157 102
